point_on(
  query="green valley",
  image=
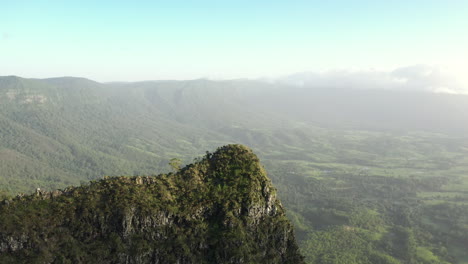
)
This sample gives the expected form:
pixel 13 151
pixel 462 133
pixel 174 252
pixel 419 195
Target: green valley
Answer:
pixel 364 176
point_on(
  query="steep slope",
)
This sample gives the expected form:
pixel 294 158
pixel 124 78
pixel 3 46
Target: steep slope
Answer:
pixel 70 130
pixel 221 209
pixel 386 151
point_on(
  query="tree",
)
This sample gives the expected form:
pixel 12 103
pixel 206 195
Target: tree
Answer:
pixel 175 164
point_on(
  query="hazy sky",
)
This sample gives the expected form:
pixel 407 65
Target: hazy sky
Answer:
pixel 141 40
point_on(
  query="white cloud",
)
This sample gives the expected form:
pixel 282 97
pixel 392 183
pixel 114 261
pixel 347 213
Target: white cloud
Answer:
pixel 411 78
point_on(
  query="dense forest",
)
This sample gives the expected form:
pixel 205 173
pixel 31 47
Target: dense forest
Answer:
pixel 220 209
pixel 365 176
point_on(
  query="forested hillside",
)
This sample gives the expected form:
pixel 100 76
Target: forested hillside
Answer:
pixel 367 176
pixel 221 209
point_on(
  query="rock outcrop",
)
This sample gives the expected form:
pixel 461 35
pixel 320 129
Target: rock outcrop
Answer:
pixel 221 209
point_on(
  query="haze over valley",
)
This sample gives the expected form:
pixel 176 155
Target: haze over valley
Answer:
pixel 388 152
pixel 316 132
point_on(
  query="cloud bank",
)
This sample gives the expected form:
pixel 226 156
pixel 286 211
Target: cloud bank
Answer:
pixel 412 78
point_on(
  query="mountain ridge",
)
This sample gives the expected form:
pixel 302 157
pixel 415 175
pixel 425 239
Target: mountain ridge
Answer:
pixel 339 157
pixel 131 128
pixel 221 209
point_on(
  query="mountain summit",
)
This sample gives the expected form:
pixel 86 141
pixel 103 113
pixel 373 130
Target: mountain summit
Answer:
pixel 220 209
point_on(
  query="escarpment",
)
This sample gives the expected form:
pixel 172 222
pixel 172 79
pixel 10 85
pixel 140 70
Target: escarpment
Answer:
pixel 221 209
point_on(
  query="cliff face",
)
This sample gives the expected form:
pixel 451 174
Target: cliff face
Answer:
pixel 221 209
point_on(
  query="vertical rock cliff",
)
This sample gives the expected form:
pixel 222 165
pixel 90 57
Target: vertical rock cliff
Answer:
pixel 221 209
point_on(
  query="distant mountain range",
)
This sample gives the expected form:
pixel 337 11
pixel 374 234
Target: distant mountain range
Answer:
pixel 369 173
pixel 65 129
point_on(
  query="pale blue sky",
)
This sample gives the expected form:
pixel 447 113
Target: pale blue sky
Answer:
pixel 142 40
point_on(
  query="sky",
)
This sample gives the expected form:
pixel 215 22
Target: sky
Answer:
pixel 151 40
